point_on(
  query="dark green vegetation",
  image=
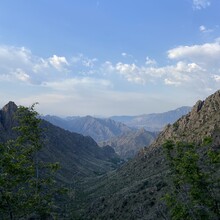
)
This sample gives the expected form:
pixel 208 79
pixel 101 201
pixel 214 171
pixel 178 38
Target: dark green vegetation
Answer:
pixel 126 141
pixel 195 185
pixel 27 184
pixel 78 155
pixel 79 158
pixel 149 186
pixel 135 190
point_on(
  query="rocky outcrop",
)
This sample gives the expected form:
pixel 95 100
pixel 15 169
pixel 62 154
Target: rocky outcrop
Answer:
pixel 135 190
pixel 202 121
pixel 6 113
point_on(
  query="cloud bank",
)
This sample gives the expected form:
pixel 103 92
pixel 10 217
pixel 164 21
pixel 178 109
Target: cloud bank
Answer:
pixel 80 79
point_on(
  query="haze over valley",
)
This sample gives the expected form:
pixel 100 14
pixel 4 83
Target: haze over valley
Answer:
pixel 109 110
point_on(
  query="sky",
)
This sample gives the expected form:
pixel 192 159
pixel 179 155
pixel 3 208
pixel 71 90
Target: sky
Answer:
pixel 104 58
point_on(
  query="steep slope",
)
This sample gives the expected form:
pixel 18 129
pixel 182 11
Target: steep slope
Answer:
pixel 78 155
pixel 98 129
pixel 201 122
pixel 155 121
pixel 7 121
pixel 127 145
pixel 134 191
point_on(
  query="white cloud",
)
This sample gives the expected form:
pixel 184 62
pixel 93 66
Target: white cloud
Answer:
pixel 178 74
pixel 206 55
pixel 19 64
pixel 203 29
pixel 78 83
pixel 89 62
pixel 150 62
pixel 126 68
pixel 58 62
pixel 124 54
pixel 170 82
pixel 83 60
pixel 21 75
pixel 201 4
pixel 193 67
pixel 11 57
pixel 216 78
pixel 190 68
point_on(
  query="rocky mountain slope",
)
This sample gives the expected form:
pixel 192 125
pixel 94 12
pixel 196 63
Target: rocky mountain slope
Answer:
pixel 155 121
pixel 202 121
pixel 78 155
pixel 97 128
pixel 134 191
pixel 127 145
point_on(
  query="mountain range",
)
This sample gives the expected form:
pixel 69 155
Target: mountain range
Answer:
pixel 100 129
pixel 135 190
pixel 108 189
pixel 155 121
pixel 77 154
pixel 124 133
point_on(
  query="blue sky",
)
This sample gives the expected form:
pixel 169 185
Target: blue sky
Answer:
pixel 101 57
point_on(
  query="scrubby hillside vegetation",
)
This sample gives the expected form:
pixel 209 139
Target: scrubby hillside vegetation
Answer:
pixel 137 190
pixel 176 177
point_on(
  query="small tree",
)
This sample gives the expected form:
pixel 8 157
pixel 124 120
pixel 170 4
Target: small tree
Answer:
pixel 26 182
pixel 195 186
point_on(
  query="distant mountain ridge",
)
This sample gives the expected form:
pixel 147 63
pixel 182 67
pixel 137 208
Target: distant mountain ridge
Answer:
pixel 154 121
pixel 126 135
pixel 77 154
pixel 97 128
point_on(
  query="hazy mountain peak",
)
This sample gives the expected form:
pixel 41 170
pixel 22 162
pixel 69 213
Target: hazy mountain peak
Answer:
pixel 154 121
pixel 6 115
pixel 100 129
pixel 11 107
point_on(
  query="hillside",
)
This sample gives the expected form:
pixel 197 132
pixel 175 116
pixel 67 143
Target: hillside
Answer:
pixel 78 155
pixel 127 145
pixel 97 128
pixel 134 191
pixel 155 121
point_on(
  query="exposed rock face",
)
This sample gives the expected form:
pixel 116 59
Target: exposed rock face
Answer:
pixel 135 190
pixel 6 119
pixel 202 121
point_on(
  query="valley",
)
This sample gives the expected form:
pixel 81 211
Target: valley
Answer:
pixel 109 110
pixel 104 185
